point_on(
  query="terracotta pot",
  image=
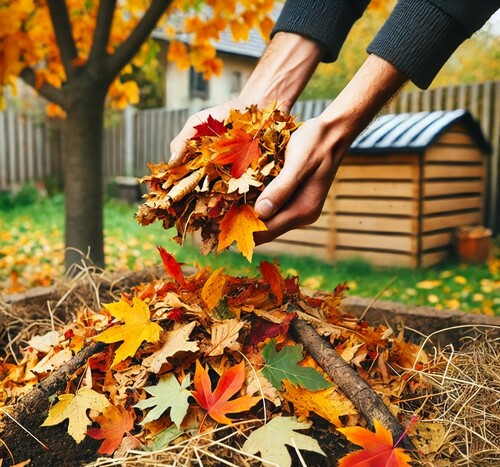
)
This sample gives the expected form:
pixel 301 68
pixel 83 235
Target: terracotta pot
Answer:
pixel 473 244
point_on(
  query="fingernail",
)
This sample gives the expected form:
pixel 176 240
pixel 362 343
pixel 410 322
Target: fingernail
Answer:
pixel 264 208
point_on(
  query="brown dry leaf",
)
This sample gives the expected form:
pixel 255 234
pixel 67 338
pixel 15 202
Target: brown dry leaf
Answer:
pixel 225 336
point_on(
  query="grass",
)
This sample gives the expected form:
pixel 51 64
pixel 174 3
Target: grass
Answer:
pixel 31 254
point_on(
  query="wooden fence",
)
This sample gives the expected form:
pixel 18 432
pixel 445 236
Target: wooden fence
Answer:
pixel 31 150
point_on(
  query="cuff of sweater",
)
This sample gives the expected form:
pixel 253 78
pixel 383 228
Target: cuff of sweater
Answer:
pixel 325 22
pixel 418 38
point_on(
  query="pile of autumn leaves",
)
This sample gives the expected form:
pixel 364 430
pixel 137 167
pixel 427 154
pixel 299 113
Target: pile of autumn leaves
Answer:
pixel 215 184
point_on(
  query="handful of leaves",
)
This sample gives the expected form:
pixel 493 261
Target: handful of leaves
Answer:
pixel 214 186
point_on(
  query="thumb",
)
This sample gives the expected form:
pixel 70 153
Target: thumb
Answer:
pixel 281 189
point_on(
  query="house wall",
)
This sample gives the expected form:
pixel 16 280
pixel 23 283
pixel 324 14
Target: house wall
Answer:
pixel 220 89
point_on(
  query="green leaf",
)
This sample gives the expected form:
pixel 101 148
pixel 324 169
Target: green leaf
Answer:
pixel 163 439
pixel 271 440
pixel 284 365
pixel 167 394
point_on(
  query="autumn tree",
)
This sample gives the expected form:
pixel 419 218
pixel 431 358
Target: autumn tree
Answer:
pixel 75 53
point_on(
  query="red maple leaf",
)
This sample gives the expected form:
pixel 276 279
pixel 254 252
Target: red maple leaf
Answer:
pixel 379 449
pixel 211 127
pixel 114 424
pixel 171 265
pixel 240 151
pixel 217 403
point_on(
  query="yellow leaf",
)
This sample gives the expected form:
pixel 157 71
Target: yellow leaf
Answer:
pixel 137 328
pixel 213 288
pixel 238 226
pixel 328 403
pixel 74 408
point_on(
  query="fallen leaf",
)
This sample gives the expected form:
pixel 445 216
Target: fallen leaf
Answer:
pixel 74 408
pixel 114 423
pixel 167 394
pixel 172 267
pixel 271 441
pixel 242 184
pixel 213 288
pixel 163 439
pixel 378 447
pixel 239 225
pixel 263 329
pixel 284 365
pixel 137 328
pixel 173 342
pixel 217 403
pixel 271 273
pixel 211 127
pixel 224 336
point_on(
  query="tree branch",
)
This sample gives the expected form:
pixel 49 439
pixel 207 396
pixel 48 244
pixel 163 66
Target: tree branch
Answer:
pixel 132 44
pixel 64 36
pixel 102 30
pixel 46 90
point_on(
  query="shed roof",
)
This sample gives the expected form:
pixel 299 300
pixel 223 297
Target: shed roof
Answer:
pixel 415 131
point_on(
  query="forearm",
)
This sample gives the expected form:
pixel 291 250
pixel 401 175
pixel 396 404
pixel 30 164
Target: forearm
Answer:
pixel 282 72
pixel 375 83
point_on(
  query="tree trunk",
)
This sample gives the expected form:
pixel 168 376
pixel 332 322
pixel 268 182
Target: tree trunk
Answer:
pixel 83 176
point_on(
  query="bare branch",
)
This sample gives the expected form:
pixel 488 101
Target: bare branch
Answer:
pixel 64 36
pixel 132 44
pixel 46 90
pixel 102 30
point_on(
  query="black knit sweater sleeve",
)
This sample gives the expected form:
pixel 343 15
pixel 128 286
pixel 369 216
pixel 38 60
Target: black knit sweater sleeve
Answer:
pixel 325 21
pixel 418 37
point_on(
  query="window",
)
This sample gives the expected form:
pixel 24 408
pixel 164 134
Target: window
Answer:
pixel 198 86
pixel 236 82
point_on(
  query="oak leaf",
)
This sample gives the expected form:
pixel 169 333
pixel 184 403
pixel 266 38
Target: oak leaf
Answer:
pixel 74 407
pixel 239 225
pixel 173 342
pixel 114 423
pixel 284 365
pixel 137 328
pixel 239 151
pixel 379 449
pixel 217 403
pixel 271 441
pixel 167 394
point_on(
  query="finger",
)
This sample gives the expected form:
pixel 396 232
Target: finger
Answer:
pixel 178 144
pixel 282 188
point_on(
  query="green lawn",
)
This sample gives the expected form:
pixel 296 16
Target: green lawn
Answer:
pixel 31 254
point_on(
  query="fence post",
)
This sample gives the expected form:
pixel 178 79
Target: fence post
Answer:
pixel 128 136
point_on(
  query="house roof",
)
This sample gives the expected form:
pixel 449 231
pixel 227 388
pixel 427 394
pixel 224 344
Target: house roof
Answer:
pixel 415 131
pixel 254 47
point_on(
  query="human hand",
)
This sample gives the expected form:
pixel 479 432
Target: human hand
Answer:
pixel 296 196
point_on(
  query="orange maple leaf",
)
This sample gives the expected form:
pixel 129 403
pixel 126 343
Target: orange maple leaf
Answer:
pixel 217 403
pixel 238 225
pixel 240 151
pixel 114 423
pixel 379 449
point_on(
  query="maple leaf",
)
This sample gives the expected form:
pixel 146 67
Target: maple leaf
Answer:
pixel 242 184
pixel 217 403
pixel 174 341
pixel 167 394
pixel 114 423
pixel 284 365
pixel 238 225
pixel 271 441
pixel 224 336
pixel 172 267
pixel 74 408
pixel 240 151
pixel 379 449
pixel 211 127
pixel 137 328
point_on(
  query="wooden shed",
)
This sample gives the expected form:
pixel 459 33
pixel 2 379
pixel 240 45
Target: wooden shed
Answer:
pixel 405 186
